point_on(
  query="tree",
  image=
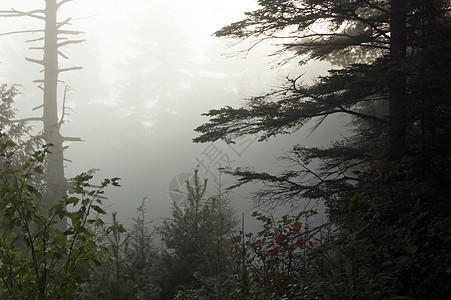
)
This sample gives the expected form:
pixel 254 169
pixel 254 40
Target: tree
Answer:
pixel 18 132
pixel 388 183
pixel 36 259
pixel 128 271
pixel 54 39
pixel 197 238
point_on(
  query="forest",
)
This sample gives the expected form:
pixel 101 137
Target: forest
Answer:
pixel 385 183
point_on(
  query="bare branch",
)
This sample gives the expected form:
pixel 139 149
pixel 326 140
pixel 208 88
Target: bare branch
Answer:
pixel 70 42
pixel 62 3
pixel 65 22
pixel 63 113
pixel 21 31
pixel 38 107
pixel 27 120
pixel 63 55
pixel 69 69
pixel 16 13
pixel 35 40
pixel 36 61
pixel 73 32
pixel 72 139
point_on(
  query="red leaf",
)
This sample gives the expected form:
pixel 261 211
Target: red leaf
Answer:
pixel 281 238
pixel 236 239
pixel 273 252
pixel 297 226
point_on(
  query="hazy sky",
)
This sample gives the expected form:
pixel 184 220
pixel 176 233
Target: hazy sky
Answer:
pixel 150 69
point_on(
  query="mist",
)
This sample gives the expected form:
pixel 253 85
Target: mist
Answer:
pixel 150 69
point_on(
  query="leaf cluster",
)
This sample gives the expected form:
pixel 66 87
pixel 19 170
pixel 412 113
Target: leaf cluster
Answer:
pixel 36 259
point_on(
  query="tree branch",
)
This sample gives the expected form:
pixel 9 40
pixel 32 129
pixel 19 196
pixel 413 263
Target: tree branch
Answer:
pixel 70 42
pixel 62 3
pixel 63 55
pixel 36 61
pixel 35 40
pixel 65 22
pixel 21 31
pixel 16 13
pixel 38 107
pixel 26 120
pixel 73 32
pixel 69 69
pixel 72 139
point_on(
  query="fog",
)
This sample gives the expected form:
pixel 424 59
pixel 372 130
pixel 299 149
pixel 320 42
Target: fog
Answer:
pixel 150 69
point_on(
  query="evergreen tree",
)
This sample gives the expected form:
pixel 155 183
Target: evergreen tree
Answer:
pixel 388 184
pixel 197 239
pixel 129 270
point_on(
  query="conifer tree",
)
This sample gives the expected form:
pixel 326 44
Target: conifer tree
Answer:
pixel 388 183
pixel 197 239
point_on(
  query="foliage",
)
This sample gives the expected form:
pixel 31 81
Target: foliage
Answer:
pixel 128 271
pixel 386 184
pixel 197 237
pixel 19 131
pixel 37 260
pixel 269 265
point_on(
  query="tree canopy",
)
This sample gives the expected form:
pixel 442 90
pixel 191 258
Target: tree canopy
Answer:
pixel 387 183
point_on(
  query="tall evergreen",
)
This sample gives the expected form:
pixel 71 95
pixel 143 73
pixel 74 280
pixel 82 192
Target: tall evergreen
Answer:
pixel 388 184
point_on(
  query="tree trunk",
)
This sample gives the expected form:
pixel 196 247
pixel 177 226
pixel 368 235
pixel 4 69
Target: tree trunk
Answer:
pixel 56 183
pixel 397 85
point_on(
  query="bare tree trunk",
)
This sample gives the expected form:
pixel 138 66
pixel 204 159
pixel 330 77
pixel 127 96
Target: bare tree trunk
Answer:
pixel 56 183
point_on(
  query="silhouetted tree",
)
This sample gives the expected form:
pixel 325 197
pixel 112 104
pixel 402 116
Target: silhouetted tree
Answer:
pixel 387 183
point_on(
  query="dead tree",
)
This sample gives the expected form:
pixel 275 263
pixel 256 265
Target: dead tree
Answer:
pixel 54 38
